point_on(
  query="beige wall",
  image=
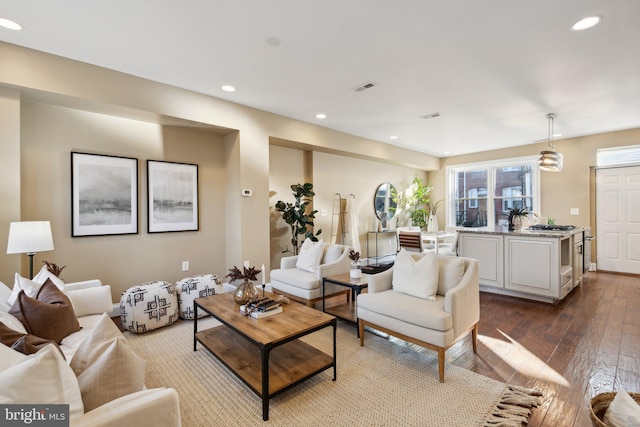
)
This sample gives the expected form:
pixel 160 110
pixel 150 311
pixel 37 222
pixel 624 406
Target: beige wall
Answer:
pixel 10 185
pixel 331 174
pixel 561 191
pixel 49 134
pixel 36 78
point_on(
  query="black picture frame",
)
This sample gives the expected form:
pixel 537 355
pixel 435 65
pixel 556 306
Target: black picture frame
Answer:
pixel 104 195
pixel 172 196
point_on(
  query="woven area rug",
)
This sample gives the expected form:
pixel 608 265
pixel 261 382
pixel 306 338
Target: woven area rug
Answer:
pixel 380 384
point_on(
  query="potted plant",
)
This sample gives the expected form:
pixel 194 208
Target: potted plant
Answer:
pixel 356 266
pixel 515 218
pixel 295 214
pixel 245 291
pixel 416 201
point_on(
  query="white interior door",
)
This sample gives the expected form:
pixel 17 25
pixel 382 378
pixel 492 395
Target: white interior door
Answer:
pixel 618 219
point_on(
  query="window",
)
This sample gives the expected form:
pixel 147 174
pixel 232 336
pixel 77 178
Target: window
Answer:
pixel 481 194
pixel 618 156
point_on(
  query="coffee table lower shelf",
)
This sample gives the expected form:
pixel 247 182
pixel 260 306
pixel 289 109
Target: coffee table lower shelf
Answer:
pixel 288 364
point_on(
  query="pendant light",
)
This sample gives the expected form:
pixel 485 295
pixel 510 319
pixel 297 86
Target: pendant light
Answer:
pixel 550 160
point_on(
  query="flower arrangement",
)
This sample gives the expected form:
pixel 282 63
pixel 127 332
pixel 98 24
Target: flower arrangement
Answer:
pixel 250 273
pixel 354 255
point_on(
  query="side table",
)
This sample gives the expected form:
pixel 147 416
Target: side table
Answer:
pixel 348 310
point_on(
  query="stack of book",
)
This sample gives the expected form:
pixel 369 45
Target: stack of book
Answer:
pixel 262 309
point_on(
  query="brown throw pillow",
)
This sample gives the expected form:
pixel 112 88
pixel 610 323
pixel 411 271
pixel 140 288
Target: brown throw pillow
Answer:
pixel 24 343
pixel 50 315
pixel 8 336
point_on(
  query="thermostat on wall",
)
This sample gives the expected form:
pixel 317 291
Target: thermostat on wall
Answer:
pixel 247 193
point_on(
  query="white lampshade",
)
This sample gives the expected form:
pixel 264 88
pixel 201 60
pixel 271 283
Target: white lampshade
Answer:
pixel 29 237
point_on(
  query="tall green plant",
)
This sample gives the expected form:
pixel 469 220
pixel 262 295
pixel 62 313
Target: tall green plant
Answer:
pixel 416 201
pixel 295 214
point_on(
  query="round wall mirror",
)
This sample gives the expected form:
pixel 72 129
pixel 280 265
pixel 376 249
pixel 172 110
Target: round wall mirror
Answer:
pixel 385 203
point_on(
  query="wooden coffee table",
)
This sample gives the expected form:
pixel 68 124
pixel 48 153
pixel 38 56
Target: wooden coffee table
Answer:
pixel 268 357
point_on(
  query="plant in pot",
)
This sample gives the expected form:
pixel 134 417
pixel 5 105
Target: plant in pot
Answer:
pixel 416 202
pixel 516 216
pixel 356 266
pixel 295 214
pixel 245 291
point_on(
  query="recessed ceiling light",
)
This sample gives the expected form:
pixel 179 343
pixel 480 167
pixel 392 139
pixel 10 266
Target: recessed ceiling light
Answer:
pixel 228 88
pixel 393 137
pixel 321 116
pixel 585 23
pixel 273 41
pixel 9 24
pixel 446 153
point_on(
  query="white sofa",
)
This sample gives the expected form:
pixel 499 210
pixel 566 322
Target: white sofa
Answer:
pixel 435 320
pixel 303 283
pixel 91 301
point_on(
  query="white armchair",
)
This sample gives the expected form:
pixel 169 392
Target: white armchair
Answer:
pixel 305 285
pixel 435 323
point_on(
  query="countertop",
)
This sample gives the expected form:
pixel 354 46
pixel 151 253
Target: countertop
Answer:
pixel 504 230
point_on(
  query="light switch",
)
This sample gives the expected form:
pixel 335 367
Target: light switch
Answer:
pixel 574 211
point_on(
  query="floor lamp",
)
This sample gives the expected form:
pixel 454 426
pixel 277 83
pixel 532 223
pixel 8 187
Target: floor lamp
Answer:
pixel 29 237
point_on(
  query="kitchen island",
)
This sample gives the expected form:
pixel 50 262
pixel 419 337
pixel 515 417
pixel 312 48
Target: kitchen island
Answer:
pixel 536 264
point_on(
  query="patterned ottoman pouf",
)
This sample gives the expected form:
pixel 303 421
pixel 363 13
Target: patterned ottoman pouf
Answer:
pixel 149 306
pixel 191 288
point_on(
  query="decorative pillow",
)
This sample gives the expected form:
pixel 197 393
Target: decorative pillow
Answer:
pixel 331 254
pixel 95 300
pixel 310 255
pixel 45 274
pixel 49 316
pixel 43 378
pixel 450 272
pixel 12 322
pixel 106 366
pixel 623 411
pixel 9 357
pixel 5 294
pixel 31 287
pixel 416 278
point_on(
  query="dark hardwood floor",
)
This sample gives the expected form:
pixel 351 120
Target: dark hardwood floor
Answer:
pixel 587 344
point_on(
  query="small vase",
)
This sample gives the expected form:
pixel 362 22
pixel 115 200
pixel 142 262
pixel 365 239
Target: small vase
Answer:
pixel 356 270
pixel 245 292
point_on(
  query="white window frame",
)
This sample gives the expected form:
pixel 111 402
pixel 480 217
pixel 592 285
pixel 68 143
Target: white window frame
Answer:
pixel 490 166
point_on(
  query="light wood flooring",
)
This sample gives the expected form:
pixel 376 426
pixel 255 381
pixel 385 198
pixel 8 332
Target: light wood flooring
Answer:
pixel 587 344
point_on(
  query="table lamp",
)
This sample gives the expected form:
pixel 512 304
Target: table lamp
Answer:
pixel 29 237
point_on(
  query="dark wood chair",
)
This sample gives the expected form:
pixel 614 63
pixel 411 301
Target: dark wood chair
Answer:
pixel 410 241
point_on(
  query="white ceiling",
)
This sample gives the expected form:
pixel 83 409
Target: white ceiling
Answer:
pixel 493 69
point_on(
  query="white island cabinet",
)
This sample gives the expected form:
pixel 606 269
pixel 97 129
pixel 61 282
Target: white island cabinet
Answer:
pixel 531 265
pixel 488 249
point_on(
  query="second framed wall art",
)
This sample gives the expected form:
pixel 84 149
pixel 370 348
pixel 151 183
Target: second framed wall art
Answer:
pixel 172 196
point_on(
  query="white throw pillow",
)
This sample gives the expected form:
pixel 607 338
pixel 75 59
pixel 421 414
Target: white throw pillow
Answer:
pixel 106 366
pixel 96 300
pixel 31 286
pixel 310 255
pixel 45 274
pixel 450 273
pixel 9 357
pixel 331 254
pixel 43 378
pixel 623 411
pixel 12 322
pixel 416 278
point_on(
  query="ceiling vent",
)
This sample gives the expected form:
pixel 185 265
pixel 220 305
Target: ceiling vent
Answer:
pixel 430 116
pixel 365 86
